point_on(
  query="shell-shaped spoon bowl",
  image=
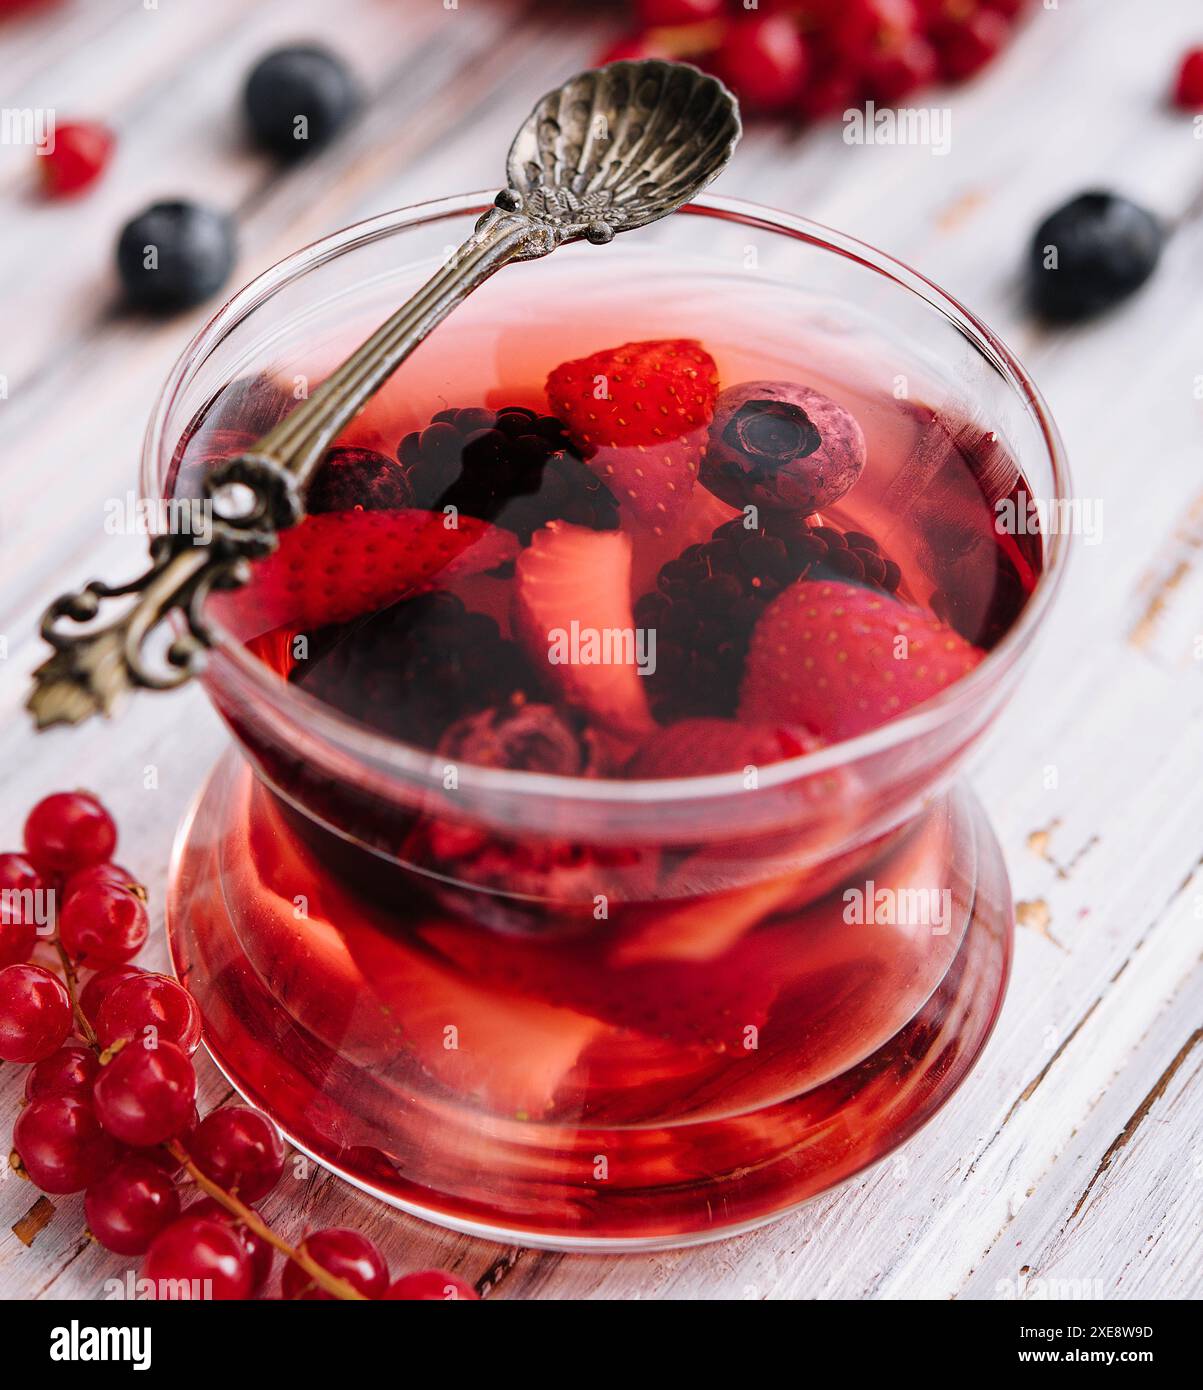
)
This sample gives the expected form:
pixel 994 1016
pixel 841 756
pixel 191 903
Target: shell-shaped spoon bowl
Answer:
pixel 617 147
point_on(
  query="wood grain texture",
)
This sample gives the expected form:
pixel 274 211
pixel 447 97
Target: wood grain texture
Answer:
pixel 1072 1160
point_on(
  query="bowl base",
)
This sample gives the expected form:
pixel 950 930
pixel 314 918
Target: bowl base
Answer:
pixel 284 1020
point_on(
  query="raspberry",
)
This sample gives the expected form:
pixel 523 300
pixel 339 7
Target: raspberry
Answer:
pixel 529 738
pixel 709 598
pixel 510 466
pixel 350 478
pixel 415 668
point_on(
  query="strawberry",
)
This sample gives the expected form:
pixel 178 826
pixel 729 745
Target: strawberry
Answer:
pixel 640 415
pixel 572 601
pixel 843 659
pixel 702 747
pixel 339 565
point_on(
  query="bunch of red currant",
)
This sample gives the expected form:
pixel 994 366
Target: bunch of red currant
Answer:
pixel 813 58
pixel 111 1092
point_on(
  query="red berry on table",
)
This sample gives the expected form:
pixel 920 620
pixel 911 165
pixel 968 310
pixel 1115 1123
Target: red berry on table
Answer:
pixel 841 659
pixel 430 1286
pixel 765 59
pixel 35 1013
pixel 966 45
pixel 80 152
pixel 343 1253
pixel 1188 89
pixel 831 90
pixel 148 1007
pixel 896 71
pixel 69 831
pixel 103 924
pixel 197 1257
pixel 146 1096
pixel 71 1071
pixel 61 1145
pixel 105 872
pixel 260 1252
pixel 98 988
pixel 639 413
pixel 130 1205
pixel 241 1150
pixel 23 899
pixel 659 13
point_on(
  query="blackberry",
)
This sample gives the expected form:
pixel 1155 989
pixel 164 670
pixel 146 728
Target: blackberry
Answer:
pixel 709 598
pixel 414 669
pixel 351 478
pixel 510 466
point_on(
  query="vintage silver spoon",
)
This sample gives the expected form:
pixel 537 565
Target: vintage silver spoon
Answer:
pixel 613 149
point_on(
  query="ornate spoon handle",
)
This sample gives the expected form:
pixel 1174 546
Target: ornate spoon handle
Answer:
pixel 253 496
pixel 610 150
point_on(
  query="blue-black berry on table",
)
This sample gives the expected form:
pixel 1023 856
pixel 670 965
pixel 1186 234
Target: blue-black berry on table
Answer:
pixel 175 254
pixel 1090 254
pixel 297 99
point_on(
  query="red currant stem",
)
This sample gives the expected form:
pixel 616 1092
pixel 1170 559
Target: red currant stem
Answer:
pixel 249 1217
pixel 72 980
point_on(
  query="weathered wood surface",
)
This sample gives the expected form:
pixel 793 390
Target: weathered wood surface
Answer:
pixel 1073 1158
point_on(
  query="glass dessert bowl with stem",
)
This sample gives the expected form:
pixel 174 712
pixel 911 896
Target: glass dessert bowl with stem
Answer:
pixel 590 870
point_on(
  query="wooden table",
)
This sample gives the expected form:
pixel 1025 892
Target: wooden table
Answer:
pixel 1075 1151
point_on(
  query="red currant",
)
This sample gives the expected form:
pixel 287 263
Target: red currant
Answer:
pixel 430 1286
pixel 344 1253
pixel 35 1013
pixel 71 1071
pixel 130 1205
pixel 103 924
pixel 1188 89
pixel 764 58
pixel 831 90
pixel 966 45
pixel 865 27
pixel 101 985
pixel 149 1008
pixel 146 1095
pixel 196 1257
pixel 69 831
pixel 101 873
pixel 81 151
pixel 61 1145
pixel 241 1150
pixel 893 73
pixel 260 1252
pixel 23 895
pixel 654 14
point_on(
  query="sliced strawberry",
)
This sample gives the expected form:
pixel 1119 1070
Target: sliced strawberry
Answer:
pixel 640 414
pixel 703 1004
pixel 339 565
pixel 843 659
pixel 572 610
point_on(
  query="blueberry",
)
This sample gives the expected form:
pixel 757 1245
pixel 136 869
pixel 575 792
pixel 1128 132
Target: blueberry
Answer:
pixel 174 254
pixel 298 98
pixel 1090 254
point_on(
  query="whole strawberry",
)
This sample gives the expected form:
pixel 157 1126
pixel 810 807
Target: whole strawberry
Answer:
pixel 841 659
pixel 639 414
pixel 782 447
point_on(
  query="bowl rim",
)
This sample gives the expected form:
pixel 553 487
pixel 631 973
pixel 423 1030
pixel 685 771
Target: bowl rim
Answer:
pixel 384 753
